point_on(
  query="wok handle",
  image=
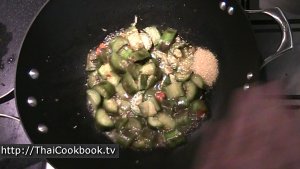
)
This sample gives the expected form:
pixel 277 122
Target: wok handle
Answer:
pixel 287 39
pixel 9 117
pixel 7 96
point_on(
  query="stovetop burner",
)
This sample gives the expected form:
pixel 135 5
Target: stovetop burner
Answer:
pixel 289 6
pixel 16 17
pixel 6 37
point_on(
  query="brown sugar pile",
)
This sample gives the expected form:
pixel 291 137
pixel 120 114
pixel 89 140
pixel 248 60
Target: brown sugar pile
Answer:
pixel 206 65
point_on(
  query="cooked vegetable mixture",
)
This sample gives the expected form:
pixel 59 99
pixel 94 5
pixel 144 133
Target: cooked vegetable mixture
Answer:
pixel 142 89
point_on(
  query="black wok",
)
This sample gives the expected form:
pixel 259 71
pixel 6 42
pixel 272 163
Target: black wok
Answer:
pixel 52 105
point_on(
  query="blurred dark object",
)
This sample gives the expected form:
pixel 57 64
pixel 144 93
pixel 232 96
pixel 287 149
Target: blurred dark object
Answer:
pixel 259 132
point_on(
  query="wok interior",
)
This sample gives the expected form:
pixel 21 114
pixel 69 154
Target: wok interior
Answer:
pixel 62 35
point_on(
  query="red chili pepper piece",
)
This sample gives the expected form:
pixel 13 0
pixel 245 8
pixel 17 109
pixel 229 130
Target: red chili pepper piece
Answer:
pixel 200 114
pixel 100 47
pixel 98 51
pixel 160 96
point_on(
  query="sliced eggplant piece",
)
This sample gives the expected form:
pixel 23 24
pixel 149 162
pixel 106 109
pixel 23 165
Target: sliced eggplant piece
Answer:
pixel 104 70
pixel 103 119
pixel 174 90
pixel 139 55
pixel 121 91
pixel 168 36
pixel 190 90
pixel 129 84
pixel 142 143
pixel 121 123
pixel 148 69
pixel 93 98
pixel 125 52
pixel 134 38
pixel 167 121
pixel 134 70
pixel 133 124
pixel 93 79
pixel 174 138
pixel 105 89
pixel 182 77
pixel 146 39
pixel 154 122
pixel 118 63
pixel 136 100
pixel 142 82
pixel 124 140
pixel 118 43
pixel 111 106
pixel 153 32
pixel 148 108
pixel 182 119
pixel 198 80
